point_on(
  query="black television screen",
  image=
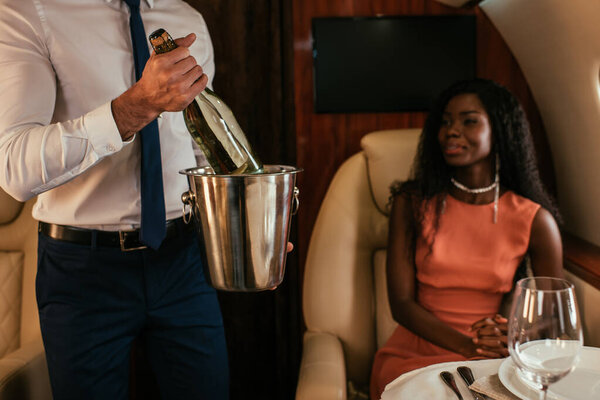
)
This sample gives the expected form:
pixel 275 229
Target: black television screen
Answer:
pixel 389 64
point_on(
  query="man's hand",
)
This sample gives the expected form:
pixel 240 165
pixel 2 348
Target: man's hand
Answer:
pixel 169 82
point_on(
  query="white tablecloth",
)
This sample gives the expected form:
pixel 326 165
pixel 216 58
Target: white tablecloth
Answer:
pixel 426 384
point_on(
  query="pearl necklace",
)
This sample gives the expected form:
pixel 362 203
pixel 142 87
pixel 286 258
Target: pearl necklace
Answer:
pixel 473 191
pixel 495 185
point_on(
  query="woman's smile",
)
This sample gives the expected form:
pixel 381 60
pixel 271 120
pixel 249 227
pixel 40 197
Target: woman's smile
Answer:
pixel 453 148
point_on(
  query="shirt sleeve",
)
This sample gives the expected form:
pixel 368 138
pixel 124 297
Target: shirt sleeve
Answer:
pixel 36 153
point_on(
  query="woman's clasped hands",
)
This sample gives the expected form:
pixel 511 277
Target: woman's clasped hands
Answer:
pixel 491 337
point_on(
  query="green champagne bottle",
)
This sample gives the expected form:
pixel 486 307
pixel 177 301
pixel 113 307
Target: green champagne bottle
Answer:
pixel 213 126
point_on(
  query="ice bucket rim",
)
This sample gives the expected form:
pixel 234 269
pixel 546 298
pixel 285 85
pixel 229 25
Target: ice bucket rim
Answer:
pixel 270 170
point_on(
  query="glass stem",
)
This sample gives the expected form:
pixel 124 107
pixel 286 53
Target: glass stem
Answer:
pixel 544 392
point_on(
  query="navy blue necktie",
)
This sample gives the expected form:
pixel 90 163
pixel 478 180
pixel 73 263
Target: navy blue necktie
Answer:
pixel 153 227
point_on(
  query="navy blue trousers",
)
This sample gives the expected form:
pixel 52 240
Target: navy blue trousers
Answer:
pixel 93 301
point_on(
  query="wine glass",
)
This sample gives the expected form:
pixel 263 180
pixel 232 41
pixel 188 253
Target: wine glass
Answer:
pixel 544 330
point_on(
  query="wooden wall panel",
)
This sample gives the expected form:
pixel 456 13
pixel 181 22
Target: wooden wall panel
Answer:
pixel 324 141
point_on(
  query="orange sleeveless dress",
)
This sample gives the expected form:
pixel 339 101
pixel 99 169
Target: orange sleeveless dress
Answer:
pixel 470 267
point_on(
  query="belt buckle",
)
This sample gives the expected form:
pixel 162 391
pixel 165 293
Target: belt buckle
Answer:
pixel 124 246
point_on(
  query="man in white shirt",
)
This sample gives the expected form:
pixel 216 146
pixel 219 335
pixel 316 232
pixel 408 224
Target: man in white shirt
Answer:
pixel 70 113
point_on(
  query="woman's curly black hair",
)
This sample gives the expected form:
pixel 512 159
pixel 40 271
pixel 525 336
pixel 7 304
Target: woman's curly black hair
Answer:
pixel 511 140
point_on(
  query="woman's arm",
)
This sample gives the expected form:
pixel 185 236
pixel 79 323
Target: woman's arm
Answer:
pixel 402 294
pixel 545 246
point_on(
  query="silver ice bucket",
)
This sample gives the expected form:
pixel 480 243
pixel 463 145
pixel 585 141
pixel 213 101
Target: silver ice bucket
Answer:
pixel 244 223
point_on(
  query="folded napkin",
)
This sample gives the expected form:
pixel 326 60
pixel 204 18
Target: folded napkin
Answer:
pixel 492 387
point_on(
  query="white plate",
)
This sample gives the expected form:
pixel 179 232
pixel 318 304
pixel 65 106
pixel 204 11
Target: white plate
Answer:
pixel 583 383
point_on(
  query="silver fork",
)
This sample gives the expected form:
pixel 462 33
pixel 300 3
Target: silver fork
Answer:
pixel 449 380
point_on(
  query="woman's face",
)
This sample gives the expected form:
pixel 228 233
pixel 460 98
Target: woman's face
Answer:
pixel 465 134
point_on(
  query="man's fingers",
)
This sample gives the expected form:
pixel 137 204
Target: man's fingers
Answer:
pixel 199 84
pixel 192 76
pixel 186 41
pixel 185 64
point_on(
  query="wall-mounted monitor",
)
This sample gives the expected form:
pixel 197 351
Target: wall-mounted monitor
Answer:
pixel 389 64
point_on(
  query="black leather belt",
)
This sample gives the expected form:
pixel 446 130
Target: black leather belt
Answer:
pixel 126 240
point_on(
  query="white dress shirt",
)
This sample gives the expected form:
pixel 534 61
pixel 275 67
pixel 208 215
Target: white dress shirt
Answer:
pixel 61 64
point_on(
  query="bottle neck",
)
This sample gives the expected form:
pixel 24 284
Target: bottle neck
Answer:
pixel 161 41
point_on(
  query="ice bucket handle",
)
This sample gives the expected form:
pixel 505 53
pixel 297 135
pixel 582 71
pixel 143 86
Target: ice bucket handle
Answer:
pixel 188 199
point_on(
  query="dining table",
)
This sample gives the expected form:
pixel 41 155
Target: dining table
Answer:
pixel 502 375
pixel 425 383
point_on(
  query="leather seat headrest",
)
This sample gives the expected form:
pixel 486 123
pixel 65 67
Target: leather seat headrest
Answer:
pixel 386 160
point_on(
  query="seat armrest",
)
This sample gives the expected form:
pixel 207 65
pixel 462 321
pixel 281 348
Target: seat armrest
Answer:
pixel 24 374
pixel 322 369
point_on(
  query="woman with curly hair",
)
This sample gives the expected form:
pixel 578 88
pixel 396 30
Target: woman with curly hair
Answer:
pixel 460 228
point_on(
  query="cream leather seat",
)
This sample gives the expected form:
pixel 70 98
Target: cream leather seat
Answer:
pixel 23 370
pixel 345 301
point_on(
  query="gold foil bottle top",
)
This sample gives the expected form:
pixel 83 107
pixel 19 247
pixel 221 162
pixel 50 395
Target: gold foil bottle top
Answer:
pixel 161 41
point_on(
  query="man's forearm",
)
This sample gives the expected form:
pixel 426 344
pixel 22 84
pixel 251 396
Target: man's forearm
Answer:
pixel 131 112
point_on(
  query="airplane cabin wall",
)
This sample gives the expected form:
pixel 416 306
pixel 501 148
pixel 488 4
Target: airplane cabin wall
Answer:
pixel 557 45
